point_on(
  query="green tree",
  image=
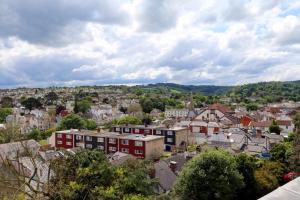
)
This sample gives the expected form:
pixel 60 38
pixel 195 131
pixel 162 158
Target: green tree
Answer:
pixel 295 155
pixel 127 120
pixel 269 176
pixel 71 121
pixel 246 165
pixel 209 175
pixel 91 124
pixel 84 106
pixel 34 134
pixel 89 175
pixel 281 152
pixel 274 128
pixel 6 102
pixel 4 112
pixel 252 107
pixel 11 133
pixel 51 97
pixel 31 103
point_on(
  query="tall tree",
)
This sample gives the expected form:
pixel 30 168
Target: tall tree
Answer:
pixel 6 102
pixel 210 175
pixel 72 121
pixel 4 112
pixel 274 128
pixel 295 157
pixel 51 97
pixel 31 103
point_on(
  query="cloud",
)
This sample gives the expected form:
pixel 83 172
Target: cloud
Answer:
pixel 62 42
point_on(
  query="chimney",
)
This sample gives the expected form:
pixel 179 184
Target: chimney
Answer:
pixel 98 130
pixel 173 166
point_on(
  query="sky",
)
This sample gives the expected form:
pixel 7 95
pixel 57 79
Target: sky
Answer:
pixel 99 42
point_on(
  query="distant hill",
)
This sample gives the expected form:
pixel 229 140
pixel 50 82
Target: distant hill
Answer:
pixel 204 89
pixel 266 91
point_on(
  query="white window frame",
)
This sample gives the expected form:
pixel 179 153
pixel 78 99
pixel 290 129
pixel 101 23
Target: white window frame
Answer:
pixel 100 139
pixel 59 135
pixel 138 152
pixel 69 143
pixel 136 130
pixel 138 143
pixel 125 150
pixel 147 131
pixel 168 139
pixel 101 147
pixel 68 136
pixel 126 130
pixel 125 142
pixel 112 141
pixel 158 132
pixel 59 142
pixel 112 148
pixel 170 133
pixel 89 138
pixel 117 129
pixel 78 137
pixel 88 146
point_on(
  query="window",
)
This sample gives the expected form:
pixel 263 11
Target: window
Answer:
pixel 88 138
pixel 125 150
pixel 112 141
pixel 59 135
pixel 126 130
pixel 169 139
pixel 78 137
pixel 88 146
pixel 139 152
pixel 147 131
pixel 100 139
pixel 117 129
pixel 125 142
pixel 69 143
pixel 112 148
pixel 138 143
pixel 158 132
pixel 136 130
pixel 69 136
pixel 59 142
pixel 100 147
pixel 170 133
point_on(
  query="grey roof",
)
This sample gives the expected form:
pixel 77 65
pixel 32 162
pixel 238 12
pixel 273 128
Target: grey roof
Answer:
pixel 165 175
pixel 290 191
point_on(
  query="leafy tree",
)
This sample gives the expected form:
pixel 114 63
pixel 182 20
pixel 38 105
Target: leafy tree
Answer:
pixel 34 134
pixel 84 106
pixel 91 124
pixel 11 133
pixel 127 120
pixel 76 109
pixel 209 175
pixel 252 107
pixel 147 119
pixel 274 128
pixel 51 97
pixel 134 109
pixel 4 112
pixel 72 121
pixel 123 109
pixel 295 156
pixel 6 102
pixel 89 175
pixel 31 103
pixel 281 152
pixel 246 165
pixel 47 133
pixel 269 176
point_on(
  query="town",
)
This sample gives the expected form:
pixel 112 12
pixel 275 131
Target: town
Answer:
pixel 124 125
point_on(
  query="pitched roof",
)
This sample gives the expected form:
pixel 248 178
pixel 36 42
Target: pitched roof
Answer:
pixel 221 107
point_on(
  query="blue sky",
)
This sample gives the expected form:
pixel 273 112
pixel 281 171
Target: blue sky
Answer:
pixel 92 42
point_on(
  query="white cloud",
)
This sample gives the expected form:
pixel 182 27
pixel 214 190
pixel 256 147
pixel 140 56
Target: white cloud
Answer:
pixel 138 41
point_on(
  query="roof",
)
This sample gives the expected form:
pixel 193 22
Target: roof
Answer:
pixel 284 122
pixel 220 107
pixel 290 191
pixel 142 137
pixel 261 124
pixel 165 175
